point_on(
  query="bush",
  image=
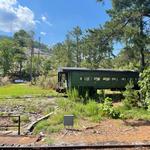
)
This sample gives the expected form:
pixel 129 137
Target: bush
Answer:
pixel 108 110
pixel 144 84
pixel 131 96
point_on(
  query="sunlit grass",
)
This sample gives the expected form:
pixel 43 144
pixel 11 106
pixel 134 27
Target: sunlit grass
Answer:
pixel 18 90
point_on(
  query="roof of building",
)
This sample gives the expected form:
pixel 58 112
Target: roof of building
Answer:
pixel 69 69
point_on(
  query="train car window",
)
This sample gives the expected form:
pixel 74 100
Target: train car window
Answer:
pixel 106 79
pixel 113 79
pixel 123 79
pixel 96 78
pixel 81 78
pixel 86 78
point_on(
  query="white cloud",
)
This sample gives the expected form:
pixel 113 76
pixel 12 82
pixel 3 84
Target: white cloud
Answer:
pixel 14 17
pixel 45 20
pixel 43 33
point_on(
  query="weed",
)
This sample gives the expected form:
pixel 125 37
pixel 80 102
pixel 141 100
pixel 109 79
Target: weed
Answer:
pixel 134 113
pixel 73 95
pixel 49 141
pixel 91 108
pixel 25 118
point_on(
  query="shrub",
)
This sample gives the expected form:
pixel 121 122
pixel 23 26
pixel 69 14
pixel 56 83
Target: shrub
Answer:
pixel 144 84
pixel 131 96
pixel 108 110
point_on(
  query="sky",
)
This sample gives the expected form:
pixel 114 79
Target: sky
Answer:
pixel 51 19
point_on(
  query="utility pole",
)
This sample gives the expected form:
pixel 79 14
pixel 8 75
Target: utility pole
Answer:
pixel 31 55
pixel 38 65
pixel 31 61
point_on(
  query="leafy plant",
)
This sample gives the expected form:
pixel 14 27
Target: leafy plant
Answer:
pixel 108 110
pixel 144 84
pixel 131 96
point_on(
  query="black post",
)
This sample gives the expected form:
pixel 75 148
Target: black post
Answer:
pixel 18 125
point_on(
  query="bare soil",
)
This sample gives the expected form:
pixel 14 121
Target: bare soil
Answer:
pixel 107 131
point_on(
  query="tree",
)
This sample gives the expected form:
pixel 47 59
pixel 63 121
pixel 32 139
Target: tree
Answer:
pixel 7 49
pixel 18 59
pixel 76 37
pixel 95 49
pixel 59 55
pixel 47 66
pixel 130 25
pixel 69 50
pixel 22 38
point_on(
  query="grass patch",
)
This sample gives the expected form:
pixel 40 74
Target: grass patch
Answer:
pixel 52 125
pixel 48 140
pixel 134 113
pixel 20 90
pixel 90 111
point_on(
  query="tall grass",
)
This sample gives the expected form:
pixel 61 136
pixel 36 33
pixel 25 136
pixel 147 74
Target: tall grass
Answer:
pixel 47 82
pixel 4 81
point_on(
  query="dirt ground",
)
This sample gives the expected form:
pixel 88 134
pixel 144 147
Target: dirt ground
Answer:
pixel 107 131
pixel 17 140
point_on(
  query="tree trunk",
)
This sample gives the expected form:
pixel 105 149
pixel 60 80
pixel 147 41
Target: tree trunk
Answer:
pixel 20 70
pixel 141 45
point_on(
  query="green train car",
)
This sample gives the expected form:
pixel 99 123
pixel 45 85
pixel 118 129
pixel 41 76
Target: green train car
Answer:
pixel 84 79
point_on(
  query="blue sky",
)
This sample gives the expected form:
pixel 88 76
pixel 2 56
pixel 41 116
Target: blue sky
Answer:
pixel 51 19
pixel 60 16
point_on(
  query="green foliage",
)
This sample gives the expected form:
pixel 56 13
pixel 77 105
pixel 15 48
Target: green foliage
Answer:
pixel 48 140
pixel 134 113
pixel 144 84
pixel 20 90
pixel 7 50
pixel 53 124
pixel 22 38
pixel 25 118
pixel 129 26
pixel 91 108
pixel 131 96
pixel 73 95
pixel 108 110
pixel 15 120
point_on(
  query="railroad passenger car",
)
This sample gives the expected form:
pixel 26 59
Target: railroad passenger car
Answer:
pixel 92 79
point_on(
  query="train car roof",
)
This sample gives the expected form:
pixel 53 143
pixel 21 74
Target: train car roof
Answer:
pixel 70 69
